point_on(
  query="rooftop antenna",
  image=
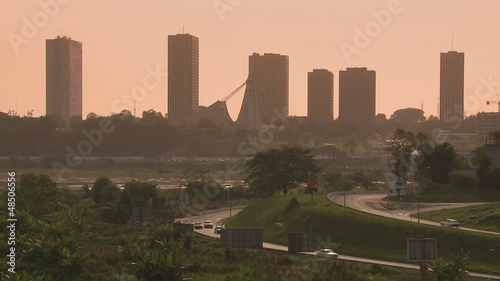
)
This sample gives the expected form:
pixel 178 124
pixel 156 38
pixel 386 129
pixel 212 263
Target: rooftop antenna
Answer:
pixel 452 39
pixel 183 30
pixel 134 108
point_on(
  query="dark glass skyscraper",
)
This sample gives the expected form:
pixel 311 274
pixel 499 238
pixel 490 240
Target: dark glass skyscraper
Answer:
pixel 320 95
pixel 451 90
pixel 268 75
pixel 183 76
pixel 357 97
pixel 63 78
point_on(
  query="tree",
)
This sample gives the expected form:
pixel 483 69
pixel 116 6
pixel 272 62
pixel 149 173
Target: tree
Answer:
pixel 462 181
pixel 380 119
pixel 408 116
pixel 280 169
pixel 452 268
pixel 351 144
pixel 140 192
pixel 482 160
pixel 91 115
pixel 38 194
pixel 152 117
pixel 104 190
pixel 51 123
pixel 402 145
pixel 358 179
pixel 440 163
pixel 110 202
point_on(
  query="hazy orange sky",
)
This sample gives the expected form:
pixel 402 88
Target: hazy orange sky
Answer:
pixel 124 41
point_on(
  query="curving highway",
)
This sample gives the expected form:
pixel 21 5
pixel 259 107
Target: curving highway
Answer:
pixel 364 202
pixel 370 203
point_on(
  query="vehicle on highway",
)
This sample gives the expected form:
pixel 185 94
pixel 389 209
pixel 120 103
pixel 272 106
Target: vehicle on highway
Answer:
pixel 327 253
pixel 218 229
pixel 198 225
pixel 450 223
pixel 208 224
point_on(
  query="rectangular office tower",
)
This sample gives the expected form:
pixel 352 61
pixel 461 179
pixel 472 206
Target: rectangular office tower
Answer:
pixel 320 95
pixel 451 90
pixel 63 78
pixel 357 97
pixel 268 76
pixel 183 76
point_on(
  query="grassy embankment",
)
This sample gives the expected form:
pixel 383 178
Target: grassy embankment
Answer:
pixel 485 217
pixel 351 232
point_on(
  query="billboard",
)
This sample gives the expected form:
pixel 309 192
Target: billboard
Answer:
pixel 300 242
pixel 183 228
pixel 394 182
pixel 140 214
pixel 241 238
pixel 421 249
pixel 312 183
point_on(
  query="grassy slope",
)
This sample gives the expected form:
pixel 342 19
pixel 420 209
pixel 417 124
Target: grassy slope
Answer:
pixel 354 233
pixel 486 217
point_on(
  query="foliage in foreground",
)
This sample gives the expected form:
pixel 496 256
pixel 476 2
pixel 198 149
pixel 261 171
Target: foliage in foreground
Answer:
pixel 278 170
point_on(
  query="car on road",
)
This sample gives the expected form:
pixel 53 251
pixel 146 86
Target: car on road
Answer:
pixel 198 225
pixel 208 224
pixel 327 253
pixel 218 229
pixel 450 223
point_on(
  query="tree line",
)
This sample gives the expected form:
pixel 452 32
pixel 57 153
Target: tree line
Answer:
pixel 150 135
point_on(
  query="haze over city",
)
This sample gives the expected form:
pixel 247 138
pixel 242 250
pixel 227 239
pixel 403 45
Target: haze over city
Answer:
pixel 400 40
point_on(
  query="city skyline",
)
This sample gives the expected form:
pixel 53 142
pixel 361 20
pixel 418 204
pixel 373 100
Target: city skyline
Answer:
pixel 122 50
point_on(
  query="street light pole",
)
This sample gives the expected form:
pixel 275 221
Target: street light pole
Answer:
pixel 344 198
pixel 418 211
pixel 345 184
pixel 229 199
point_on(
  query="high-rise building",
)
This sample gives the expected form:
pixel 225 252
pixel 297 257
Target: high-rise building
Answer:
pixel 268 76
pixel 488 122
pixel 320 95
pixel 64 78
pixel 183 76
pixel 357 96
pixel 451 90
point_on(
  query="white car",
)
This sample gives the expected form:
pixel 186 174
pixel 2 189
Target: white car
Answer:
pixel 327 253
pixel 450 223
pixel 208 224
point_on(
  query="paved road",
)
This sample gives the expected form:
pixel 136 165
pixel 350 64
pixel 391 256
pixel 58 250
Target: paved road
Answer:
pixel 370 203
pixel 218 216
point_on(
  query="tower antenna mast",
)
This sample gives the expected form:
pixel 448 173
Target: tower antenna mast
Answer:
pixel 452 37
